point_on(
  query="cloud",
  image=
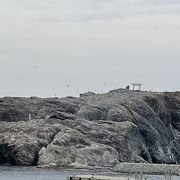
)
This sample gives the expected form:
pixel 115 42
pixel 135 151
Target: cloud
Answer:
pixel 87 42
pixel 86 10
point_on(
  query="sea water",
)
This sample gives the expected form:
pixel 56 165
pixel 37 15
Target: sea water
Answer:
pixel 32 173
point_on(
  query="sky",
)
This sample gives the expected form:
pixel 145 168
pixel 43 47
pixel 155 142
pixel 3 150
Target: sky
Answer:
pixel 62 48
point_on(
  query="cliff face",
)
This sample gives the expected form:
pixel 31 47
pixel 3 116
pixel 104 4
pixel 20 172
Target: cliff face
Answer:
pixel 93 130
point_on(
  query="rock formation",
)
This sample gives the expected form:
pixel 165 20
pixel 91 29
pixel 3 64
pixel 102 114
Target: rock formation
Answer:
pixel 92 130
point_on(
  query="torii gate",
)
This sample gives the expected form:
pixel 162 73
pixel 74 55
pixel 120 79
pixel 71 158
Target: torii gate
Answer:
pixel 136 85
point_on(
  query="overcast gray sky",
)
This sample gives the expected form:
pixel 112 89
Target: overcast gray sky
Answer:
pixel 64 47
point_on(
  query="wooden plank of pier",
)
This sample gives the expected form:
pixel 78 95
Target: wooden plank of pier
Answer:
pixel 92 177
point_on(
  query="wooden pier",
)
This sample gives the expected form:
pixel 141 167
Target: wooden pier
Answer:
pixel 94 177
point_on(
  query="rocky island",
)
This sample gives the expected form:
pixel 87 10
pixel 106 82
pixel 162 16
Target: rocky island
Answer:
pixel 99 130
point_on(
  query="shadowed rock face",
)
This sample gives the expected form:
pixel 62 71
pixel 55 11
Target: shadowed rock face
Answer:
pixel 93 130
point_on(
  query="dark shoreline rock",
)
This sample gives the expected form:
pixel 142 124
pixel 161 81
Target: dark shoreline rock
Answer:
pixel 95 130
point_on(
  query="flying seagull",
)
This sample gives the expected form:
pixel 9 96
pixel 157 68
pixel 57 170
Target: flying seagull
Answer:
pixel 68 85
pixel 35 66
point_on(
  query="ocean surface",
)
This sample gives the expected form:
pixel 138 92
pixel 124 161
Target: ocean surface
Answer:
pixel 32 173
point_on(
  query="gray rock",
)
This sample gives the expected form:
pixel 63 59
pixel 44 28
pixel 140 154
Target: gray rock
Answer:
pixel 94 130
pixel 72 148
pixel 87 94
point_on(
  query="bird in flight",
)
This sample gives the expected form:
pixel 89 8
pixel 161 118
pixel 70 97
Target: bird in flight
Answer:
pixel 35 66
pixel 68 85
